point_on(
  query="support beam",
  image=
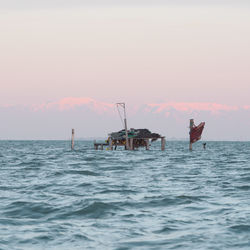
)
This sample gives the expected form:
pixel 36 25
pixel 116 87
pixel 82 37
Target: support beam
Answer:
pixel 110 144
pixel 126 133
pixel 147 144
pixel 131 143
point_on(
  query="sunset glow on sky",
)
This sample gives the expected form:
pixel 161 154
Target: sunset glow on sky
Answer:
pixel 187 56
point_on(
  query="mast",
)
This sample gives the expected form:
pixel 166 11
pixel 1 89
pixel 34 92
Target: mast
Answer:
pixel 122 104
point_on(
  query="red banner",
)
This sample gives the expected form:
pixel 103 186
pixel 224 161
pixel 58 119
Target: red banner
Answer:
pixel 196 131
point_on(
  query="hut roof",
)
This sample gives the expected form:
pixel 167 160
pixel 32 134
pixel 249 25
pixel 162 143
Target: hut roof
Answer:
pixel 134 133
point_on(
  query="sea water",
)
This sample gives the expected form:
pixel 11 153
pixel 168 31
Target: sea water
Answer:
pixel 55 198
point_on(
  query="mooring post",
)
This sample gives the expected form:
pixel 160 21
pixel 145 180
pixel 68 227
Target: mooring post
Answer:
pixel 190 126
pixel 163 143
pixel 131 144
pixel 101 146
pixel 147 144
pixel 72 139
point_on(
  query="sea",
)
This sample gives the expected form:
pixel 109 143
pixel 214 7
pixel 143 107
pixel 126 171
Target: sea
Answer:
pixel 54 198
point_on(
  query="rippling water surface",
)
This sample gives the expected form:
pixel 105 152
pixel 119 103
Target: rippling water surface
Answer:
pixel 55 198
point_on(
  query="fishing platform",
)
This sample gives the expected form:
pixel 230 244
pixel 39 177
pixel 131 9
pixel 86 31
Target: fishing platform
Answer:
pixel 136 138
pixel 129 139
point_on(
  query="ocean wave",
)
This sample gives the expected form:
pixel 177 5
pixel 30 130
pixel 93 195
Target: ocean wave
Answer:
pixel 55 198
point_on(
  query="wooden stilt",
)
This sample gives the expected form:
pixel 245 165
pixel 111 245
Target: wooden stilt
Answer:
pixel 126 132
pixel 72 139
pixel 131 144
pixel 147 144
pixel 163 143
pixel 110 144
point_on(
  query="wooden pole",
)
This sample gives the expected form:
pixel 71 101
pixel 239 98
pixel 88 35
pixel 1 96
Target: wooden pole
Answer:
pixel 190 127
pixel 147 144
pixel 126 133
pixel 72 139
pixel 131 144
pixel 126 127
pixel 163 143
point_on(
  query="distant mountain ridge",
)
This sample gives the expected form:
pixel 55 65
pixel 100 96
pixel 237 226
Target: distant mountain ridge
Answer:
pixel 92 118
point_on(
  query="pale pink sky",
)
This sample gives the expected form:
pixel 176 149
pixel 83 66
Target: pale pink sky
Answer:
pixel 181 54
